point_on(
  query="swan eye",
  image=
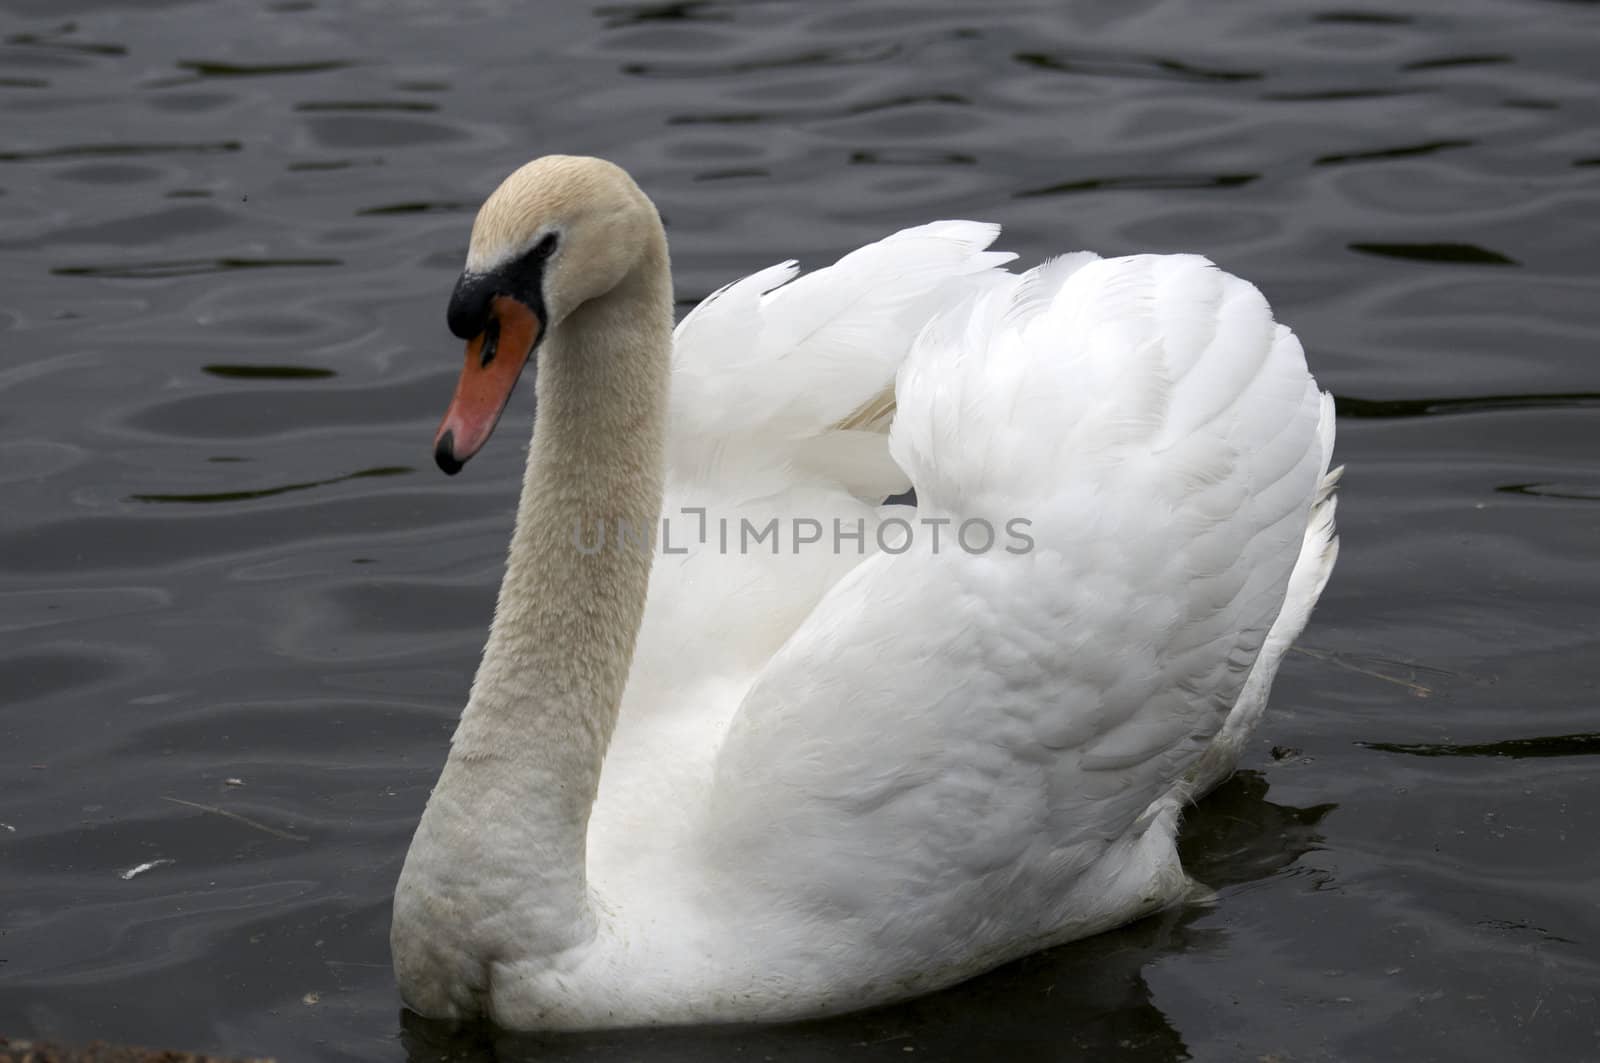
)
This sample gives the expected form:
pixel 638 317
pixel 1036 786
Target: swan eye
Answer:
pixel 522 278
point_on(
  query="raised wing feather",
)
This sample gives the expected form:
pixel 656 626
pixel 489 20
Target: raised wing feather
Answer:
pixel 770 359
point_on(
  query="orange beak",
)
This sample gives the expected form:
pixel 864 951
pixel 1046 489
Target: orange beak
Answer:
pixel 494 361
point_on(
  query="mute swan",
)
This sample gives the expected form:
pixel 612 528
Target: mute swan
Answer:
pixel 852 760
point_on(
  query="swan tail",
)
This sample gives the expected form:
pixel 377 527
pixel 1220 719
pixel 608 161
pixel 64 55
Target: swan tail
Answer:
pixel 1319 550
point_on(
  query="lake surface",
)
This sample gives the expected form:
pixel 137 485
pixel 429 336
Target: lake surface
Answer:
pixel 240 608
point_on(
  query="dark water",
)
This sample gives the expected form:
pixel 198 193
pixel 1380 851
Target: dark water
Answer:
pixel 228 231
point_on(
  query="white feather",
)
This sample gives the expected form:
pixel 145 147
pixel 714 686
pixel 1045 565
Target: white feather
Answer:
pixel 848 771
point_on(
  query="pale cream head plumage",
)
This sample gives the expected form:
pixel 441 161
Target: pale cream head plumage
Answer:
pixel 592 205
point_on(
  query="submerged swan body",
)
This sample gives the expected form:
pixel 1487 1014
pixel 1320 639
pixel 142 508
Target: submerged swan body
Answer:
pixel 808 752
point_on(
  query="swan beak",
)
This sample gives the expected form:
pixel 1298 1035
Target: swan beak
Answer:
pixel 494 361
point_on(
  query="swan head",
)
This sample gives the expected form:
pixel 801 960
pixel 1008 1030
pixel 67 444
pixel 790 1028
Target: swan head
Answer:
pixel 559 232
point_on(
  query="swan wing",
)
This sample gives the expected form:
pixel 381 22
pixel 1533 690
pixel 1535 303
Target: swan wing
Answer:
pixel 961 755
pixel 771 376
pixel 767 375
pixel 777 365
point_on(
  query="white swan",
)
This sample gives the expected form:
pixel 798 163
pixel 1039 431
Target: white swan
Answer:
pixel 838 774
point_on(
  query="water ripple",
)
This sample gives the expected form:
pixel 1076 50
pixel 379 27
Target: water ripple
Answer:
pixel 1142 182
pixel 1430 147
pixel 268 372
pixel 186 267
pixel 1093 64
pixel 214 69
pixel 119 150
pixel 1579 745
pixel 230 232
pixel 213 497
pixel 1467 254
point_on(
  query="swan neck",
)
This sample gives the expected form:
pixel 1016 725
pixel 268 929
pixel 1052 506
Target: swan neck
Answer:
pixel 526 758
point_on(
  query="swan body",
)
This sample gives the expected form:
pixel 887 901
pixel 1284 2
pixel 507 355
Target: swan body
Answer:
pixel 706 780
